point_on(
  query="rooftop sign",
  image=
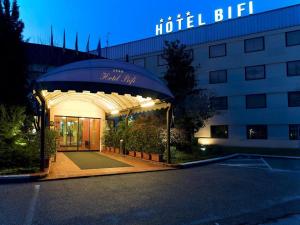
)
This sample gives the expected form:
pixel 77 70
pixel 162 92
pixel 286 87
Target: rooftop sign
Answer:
pixel 190 21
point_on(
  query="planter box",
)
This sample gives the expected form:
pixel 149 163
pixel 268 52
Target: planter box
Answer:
pixel 117 150
pixel 146 156
pixel 138 154
pixel 132 153
pixel 156 157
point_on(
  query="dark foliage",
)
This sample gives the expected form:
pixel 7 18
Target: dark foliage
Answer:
pixel 12 63
pixel 191 105
pixel 180 75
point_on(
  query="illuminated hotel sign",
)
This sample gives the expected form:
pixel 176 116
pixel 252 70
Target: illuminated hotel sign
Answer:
pixel 190 21
pixel 118 76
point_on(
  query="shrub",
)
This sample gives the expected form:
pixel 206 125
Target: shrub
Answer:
pixel 20 147
pixel 11 123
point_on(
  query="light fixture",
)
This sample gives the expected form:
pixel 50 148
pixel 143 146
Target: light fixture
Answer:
pixel 148 104
pixel 115 112
pixel 203 148
pixel 44 93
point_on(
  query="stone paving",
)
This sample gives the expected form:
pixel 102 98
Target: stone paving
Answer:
pixel 65 168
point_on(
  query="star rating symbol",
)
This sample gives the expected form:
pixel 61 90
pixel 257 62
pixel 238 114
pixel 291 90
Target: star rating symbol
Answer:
pixel 178 16
pixel 161 20
pixel 188 13
pixel 170 18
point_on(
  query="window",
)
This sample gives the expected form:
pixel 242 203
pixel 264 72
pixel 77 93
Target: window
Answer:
pixel 255 72
pixel 256 101
pixel 257 132
pixel 139 62
pixel 293 68
pixel 254 44
pixel 293 38
pixel 294 99
pixel 219 131
pixel 217 51
pixel 294 131
pixel 217 77
pixel 219 103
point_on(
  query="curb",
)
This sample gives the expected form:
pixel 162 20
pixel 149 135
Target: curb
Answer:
pixel 103 175
pixel 5 179
pixel 23 178
pixel 205 162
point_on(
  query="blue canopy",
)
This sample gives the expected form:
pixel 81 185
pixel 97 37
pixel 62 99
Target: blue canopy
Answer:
pixel 103 75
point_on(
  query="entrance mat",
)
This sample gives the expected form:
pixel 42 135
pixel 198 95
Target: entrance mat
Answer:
pixel 93 160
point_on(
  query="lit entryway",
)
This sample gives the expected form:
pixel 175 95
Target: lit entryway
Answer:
pixel 78 134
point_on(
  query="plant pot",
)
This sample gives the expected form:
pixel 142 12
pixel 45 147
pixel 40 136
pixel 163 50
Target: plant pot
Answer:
pixel 132 153
pixel 138 154
pixel 112 149
pixel 156 157
pixel 146 156
pixel 117 150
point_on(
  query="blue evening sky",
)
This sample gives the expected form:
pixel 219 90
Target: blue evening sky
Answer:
pixel 123 20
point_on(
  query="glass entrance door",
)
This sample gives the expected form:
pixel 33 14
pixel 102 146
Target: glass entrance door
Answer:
pixel 78 134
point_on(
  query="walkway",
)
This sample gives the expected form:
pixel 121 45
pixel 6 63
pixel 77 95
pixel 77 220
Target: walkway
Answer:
pixel 64 167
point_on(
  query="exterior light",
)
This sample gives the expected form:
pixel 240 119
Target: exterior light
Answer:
pixel 115 112
pixel 44 93
pixel 148 104
pixel 203 148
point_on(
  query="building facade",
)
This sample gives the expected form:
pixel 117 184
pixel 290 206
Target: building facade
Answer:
pixel 252 66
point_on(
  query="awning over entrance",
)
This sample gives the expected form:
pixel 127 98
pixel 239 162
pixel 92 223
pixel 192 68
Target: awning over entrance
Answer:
pixel 97 89
pixel 112 85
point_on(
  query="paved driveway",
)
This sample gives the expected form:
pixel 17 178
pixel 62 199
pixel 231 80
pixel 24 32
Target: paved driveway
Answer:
pixel 213 194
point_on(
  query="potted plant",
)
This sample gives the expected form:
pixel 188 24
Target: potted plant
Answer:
pixel 157 157
pixel 147 149
pixel 156 146
pixel 146 155
pixel 133 141
pixel 117 150
pixel 138 154
pixel 109 139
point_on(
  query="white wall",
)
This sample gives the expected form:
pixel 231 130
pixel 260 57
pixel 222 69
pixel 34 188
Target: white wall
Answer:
pixel 277 115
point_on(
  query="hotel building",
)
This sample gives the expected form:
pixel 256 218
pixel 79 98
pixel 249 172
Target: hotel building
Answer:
pixel 251 64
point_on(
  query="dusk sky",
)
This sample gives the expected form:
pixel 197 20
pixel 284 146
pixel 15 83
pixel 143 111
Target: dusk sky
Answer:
pixel 124 20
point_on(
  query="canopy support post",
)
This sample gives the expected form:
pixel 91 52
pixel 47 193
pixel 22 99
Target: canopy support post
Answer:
pixel 42 137
pixel 126 126
pixel 168 146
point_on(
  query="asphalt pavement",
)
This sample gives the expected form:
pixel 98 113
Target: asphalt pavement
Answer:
pixel 212 194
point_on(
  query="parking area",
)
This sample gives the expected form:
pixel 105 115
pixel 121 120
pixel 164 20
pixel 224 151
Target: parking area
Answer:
pixel 243 190
pixel 264 162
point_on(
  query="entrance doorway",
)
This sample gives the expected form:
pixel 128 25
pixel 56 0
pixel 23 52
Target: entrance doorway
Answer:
pixel 78 133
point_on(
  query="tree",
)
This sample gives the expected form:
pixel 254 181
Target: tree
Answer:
pixel 13 64
pixel 191 104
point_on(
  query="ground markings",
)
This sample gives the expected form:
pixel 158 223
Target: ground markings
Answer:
pixel 32 204
pixel 258 163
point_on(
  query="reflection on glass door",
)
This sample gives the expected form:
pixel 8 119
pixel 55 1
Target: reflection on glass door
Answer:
pixel 78 134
